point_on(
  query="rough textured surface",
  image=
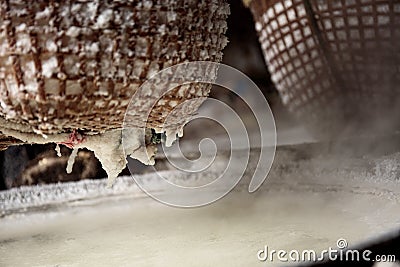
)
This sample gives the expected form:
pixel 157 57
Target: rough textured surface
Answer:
pixel 6 141
pixel 75 65
pixel 107 147
pixel 68 65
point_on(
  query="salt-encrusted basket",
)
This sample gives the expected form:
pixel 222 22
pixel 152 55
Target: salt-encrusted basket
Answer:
pixel 335 63
pixel 71 67
pixel 75 64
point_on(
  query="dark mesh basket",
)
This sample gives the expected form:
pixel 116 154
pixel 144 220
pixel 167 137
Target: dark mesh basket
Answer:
pixel 335 63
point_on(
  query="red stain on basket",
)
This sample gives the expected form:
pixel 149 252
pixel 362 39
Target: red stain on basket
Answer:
pixel 75 138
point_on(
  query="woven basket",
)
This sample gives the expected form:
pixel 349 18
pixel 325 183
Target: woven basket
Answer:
pixel 335 63
pixel 67 65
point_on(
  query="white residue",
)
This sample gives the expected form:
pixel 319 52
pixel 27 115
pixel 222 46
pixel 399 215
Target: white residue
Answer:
pixel 142 46
pixel 12 85
pixel 258 26
pixel 92 9
pixel 171 16
pixel 73 31
pixel 58 150
pixel 29 69
pixel 49 66
pixel 20 28
pixel 71 160
pixel 32 86
pixel 171 135
pixel 107 147
pixel 104 18
pixel 42 14
pixel 23 43
pixel 162 29
pixel 147 4
pixel 92 48
pixel 4 47
pixel 145 154
pixel 51 46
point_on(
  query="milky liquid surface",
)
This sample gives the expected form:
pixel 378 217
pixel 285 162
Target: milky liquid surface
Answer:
pixel 142 232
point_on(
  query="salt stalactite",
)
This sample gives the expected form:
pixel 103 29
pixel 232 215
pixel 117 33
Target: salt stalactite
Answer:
pixel 58 150
pixel 71 160
pixel 107 147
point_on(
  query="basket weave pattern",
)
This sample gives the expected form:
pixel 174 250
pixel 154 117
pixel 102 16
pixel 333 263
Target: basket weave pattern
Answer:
pixel 332 59
pixel 76 64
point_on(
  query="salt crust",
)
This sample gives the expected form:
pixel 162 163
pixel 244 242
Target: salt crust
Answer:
pixel 107 147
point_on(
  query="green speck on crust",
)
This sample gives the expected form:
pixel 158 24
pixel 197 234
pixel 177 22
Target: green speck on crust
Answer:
pixel 155 137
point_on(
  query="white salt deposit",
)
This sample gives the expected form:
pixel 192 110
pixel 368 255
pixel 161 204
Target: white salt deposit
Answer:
pixel 92 9
pixel 104 18
pixel 42 14
pixel 171 15
pixel 3 47
pixel 73 31
pixel 107 147
pixel 31 86
pixel 49 66
pixel 71 160
pixel 20 28
pixel 58 150
pixel 51 46
pixel 278 8
pixel 147 4
pixel 171 135
pixel 23 43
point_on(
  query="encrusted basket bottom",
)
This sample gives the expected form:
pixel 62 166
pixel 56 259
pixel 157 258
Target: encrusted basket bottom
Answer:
pixel 68 65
